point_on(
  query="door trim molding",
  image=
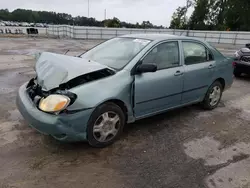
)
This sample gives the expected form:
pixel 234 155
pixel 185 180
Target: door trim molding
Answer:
pixel 158 98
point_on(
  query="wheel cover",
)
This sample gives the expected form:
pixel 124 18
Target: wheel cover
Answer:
pixel 214 96
pixel 106 126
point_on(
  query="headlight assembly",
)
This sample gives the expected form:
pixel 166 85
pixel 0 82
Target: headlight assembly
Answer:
pixel 54 103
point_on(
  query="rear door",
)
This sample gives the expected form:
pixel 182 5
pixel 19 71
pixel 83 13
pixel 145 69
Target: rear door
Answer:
pixel 199 66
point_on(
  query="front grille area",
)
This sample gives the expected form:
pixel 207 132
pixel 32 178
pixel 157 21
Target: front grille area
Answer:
pixel 35 91
pixel 245 58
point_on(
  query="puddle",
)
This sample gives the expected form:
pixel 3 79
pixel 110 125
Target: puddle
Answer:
pixel 209 149
pixel 231 176
pixel 234 162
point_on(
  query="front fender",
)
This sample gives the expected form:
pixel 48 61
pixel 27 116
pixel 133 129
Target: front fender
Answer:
pixel 116 87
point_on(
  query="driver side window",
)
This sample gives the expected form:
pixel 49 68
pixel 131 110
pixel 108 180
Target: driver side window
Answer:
pixel 165 55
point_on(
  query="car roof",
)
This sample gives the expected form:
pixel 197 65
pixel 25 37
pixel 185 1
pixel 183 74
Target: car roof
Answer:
pixel 157 36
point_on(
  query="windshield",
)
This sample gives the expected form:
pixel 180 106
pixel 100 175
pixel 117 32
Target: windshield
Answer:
pixel 117 52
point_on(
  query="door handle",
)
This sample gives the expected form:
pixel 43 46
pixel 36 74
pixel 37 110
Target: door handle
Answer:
pixel 178 73
pixel 211 66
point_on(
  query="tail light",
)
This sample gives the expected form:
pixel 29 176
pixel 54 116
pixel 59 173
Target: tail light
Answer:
pixel 234 64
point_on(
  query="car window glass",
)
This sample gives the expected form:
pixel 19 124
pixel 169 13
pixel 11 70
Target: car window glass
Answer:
pixel 165 55
pixel 117 52
pixel 195 53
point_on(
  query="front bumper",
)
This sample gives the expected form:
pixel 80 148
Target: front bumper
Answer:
pixel 63 127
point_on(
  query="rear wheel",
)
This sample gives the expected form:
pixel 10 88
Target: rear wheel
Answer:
pixel 105 125
pixel 213 96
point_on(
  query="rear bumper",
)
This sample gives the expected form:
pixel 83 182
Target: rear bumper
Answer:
pixel 63 127
pixel 242 67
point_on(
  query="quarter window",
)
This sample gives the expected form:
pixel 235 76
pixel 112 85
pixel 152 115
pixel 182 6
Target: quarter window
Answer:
pixel 196 53
pixel 165 55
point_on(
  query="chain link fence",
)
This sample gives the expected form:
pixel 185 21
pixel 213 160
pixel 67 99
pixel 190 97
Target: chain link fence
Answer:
pixel 102 33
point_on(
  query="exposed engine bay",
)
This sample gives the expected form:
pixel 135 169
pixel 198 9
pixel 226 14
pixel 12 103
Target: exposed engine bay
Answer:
pixel 36 93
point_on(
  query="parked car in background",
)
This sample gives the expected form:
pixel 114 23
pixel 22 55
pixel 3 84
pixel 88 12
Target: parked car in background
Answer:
pixel 92 96
pixel 242 61
pixel 6 23
pixel 25 24
pixel 38 25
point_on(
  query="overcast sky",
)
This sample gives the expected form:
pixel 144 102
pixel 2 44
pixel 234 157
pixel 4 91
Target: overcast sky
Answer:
pixel 158 12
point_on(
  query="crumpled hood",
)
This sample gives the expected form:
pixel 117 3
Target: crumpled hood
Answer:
pixel 55 69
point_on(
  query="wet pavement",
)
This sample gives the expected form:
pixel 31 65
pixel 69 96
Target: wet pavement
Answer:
pixel 184 148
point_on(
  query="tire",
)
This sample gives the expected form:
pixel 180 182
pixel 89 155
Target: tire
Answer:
pixel 237 73
pixel 207 102
pixel 102 121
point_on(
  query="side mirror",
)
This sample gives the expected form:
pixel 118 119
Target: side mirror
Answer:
pixel 142 68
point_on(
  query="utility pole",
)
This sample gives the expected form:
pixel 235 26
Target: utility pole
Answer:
pixel 105 14
pixel 185 16
pixel 88 8
pixel 188 5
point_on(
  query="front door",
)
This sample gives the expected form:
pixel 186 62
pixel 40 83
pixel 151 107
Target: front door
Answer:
pixel 160 90
pixel 199 69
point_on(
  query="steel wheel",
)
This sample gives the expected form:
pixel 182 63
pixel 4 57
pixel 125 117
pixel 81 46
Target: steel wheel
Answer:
pixel 215 95
pixel 106 126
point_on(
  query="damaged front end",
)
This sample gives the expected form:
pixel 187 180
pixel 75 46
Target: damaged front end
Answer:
pixel 36 93
pixel 56 74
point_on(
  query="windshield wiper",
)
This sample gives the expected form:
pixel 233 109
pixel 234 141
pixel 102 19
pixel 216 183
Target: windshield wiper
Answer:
pixel 81 54
pixel 66 52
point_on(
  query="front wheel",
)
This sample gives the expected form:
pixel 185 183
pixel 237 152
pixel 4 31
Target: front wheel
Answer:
pixel 213 96
pixel 105 125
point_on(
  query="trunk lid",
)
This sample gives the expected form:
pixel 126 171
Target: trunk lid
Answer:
pixel 56 69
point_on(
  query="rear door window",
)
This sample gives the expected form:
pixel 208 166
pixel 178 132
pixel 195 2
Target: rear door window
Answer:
pixel 195 53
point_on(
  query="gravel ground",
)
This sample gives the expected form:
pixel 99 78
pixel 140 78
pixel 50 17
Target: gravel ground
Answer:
pixel 184 148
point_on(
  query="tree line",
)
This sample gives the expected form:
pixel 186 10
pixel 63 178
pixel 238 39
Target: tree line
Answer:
pixel 30 16
pixel 207 15
pixel 221 15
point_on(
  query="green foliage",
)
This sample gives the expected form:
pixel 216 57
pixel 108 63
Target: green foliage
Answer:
pixel 23 15
pixel 200 17
pixel 238 15
pixel 179 18
pixel 4 14
pixel 215 15
pixel 115 22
